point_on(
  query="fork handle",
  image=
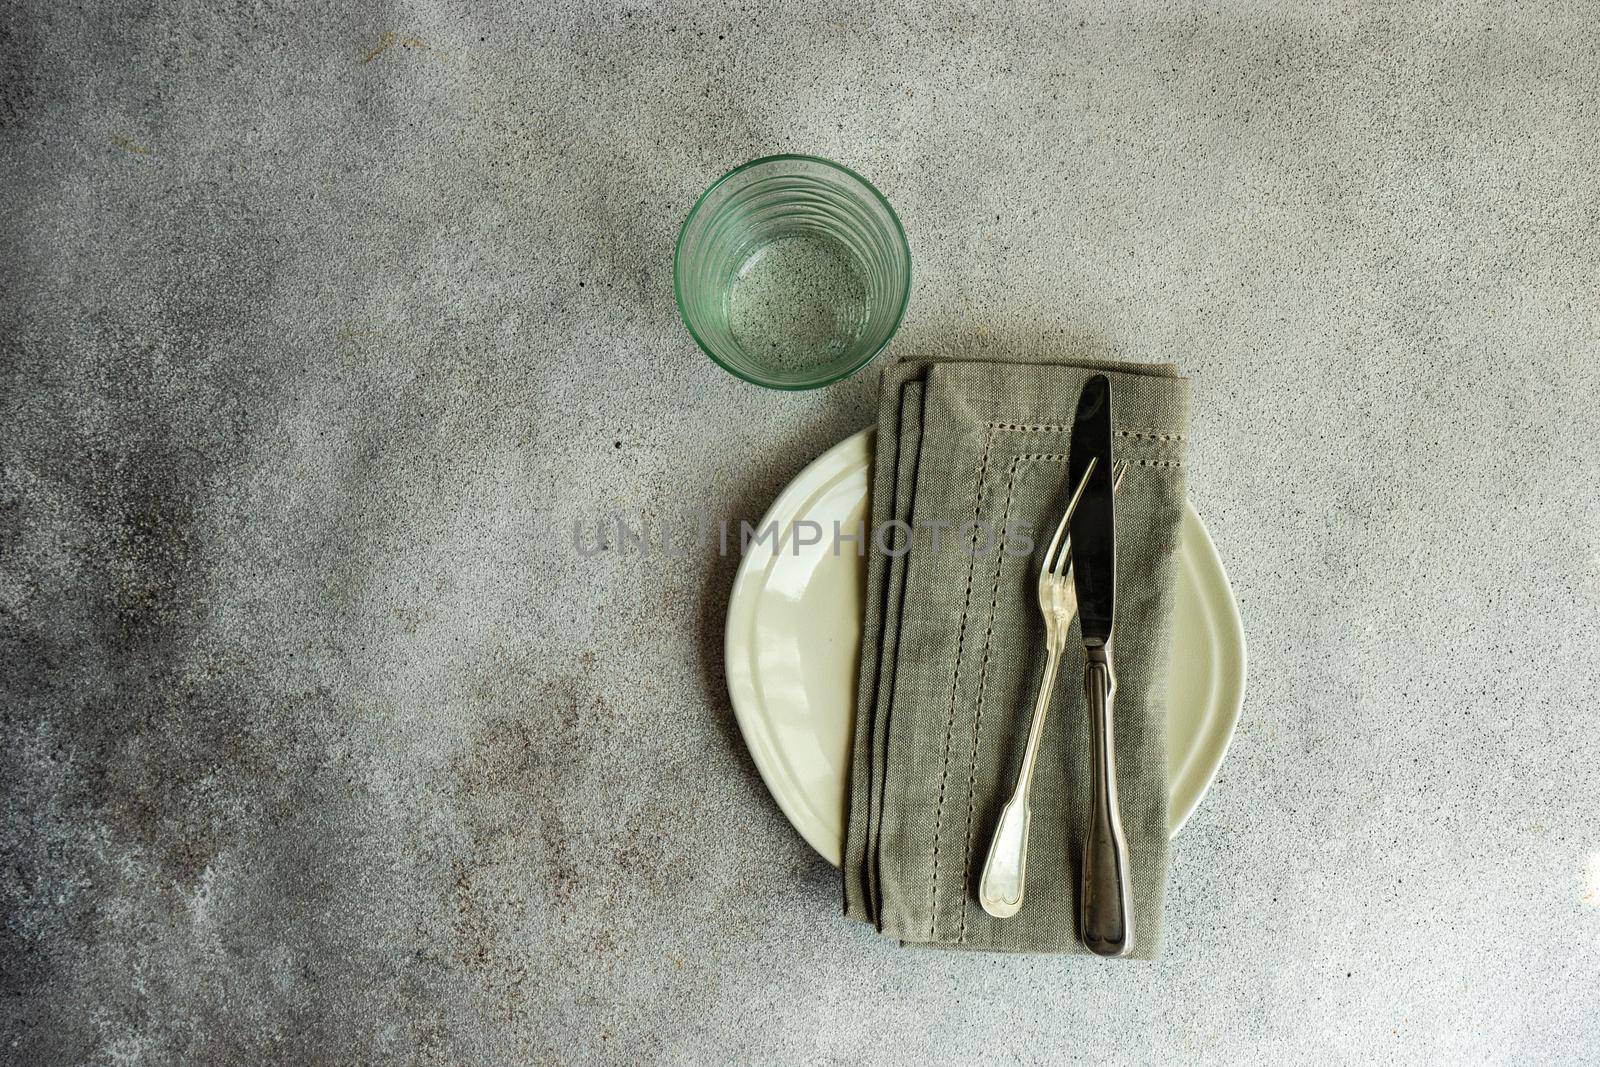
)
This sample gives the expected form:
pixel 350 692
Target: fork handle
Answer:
pixel 1005 871
pixel 1105 911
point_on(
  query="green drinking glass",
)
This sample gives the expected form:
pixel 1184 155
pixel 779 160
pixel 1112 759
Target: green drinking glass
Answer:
pixel 792 272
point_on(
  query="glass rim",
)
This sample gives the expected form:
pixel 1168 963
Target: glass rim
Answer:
pixel 872 353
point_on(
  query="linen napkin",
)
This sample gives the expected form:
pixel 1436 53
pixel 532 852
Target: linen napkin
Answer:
pixel 968 482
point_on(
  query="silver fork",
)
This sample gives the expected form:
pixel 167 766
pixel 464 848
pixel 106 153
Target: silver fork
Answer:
pixel 1005 871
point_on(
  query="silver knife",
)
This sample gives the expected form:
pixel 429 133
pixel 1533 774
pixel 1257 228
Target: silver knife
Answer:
pixel 1105 912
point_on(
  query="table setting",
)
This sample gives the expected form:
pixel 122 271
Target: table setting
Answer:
pixel 626 533
pixel 883 666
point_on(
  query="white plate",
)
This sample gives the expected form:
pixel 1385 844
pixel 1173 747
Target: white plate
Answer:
pixel 794 638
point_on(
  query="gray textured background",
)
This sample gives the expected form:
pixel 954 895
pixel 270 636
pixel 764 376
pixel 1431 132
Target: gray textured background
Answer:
pixel 320 327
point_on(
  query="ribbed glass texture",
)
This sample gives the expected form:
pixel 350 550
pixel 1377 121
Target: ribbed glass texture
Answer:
pixel 792 272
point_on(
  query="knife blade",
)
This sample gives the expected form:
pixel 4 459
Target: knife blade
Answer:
pixel 1094 536
pixel 1104 906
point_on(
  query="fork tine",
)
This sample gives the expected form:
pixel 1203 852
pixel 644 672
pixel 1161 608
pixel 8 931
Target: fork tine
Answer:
pixel 1063 565
pixel 1055 543
pixel 1051 559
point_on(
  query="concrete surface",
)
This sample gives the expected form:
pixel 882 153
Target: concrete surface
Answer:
pixel 320 327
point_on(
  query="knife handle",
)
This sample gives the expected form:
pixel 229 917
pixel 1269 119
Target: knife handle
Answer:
pixel 1106 913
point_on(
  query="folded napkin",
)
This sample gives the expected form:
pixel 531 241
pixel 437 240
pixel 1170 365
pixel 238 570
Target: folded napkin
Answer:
pixel 970 467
